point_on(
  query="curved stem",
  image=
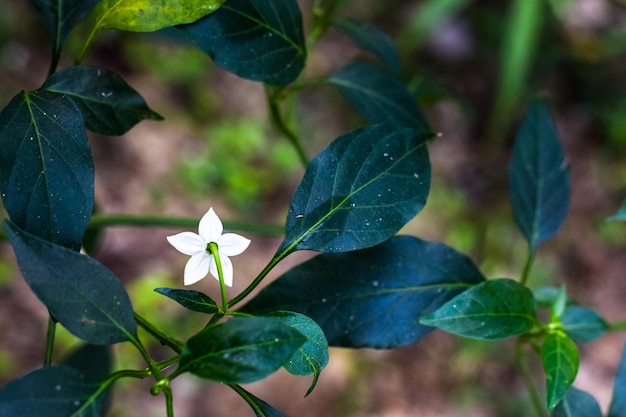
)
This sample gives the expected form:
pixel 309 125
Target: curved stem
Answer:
pixel 99 221
pixel 528 266
pixel 528 379
pixel 174 344
pixel 88 42
pixel 52 327
pixel 279 123
pixel 212 248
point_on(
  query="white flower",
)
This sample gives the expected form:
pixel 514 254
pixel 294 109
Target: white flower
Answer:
pixel 197 246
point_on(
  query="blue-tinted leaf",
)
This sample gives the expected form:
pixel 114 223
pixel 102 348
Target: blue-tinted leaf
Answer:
pixel 312 356
pixel 256 39
pixel 577 403
pixel 372 297
pixel 359 191
pixel 109 106
pixel 260 407
pixel 378 95
pixel 240 350
pixel 621 213
pixel 61 16
pixel 539 186
pixel 191 300
pixel 53 391
pixel 46 170
pixel 583 324
pixel 94 362
pixel 493 309
pixel 618 403
pixel 79 292
pixel 559 357
pixel 370 38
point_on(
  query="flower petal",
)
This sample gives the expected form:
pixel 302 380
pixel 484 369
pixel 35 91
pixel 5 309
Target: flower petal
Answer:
pixel 231 244
pixel 227 270
pixel 197 267
pixel 210 227
pixel 188 243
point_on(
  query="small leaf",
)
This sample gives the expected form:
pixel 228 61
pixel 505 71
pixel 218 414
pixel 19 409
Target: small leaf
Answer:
pixel 79 292
pixel 109 106
pixel 379 96
pixel 621 213
pixel 559 357
pixel 539 186
pixel 577 403
pixel 370 38
pixel 53 391
pixel 371 298
pixel 618 403
pixel 312 356
pixel 240 350
pixel 559 304
pixel 255 39
pixel 583 324
pixel 61 16
pixel 359 191
pixel 191 300
pixel 490 310
pixel 260 407
pixel 546 296
pixel 46 170
pixel 150 15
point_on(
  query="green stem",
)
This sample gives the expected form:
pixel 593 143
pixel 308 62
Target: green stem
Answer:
pixel 52 327
pixel 174 344
pixel 528 379
pixel 88 42
pixel 213 249
pixel 279 123
pixel 617 326
pixel 528 266
pixel 99 221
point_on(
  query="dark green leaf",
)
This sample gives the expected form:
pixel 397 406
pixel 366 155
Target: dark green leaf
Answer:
pixel 61 16
pixel 371 298
pixel 493 309
pixel 94 361
pixel 378 95
pixel 312 356
pixel 539 186
pixel 260 407
pixel 621 213
pixel 256 39
pixel 359 191
pixel 240 350
pixel 370 38
pixel 559 357
pixel 53 391
pixel 79 292
pixel 46 170
pixel 150 15
pixel 109 106
pixel 618 403
pixel 577 403
pixel 190 299
pixel 583 324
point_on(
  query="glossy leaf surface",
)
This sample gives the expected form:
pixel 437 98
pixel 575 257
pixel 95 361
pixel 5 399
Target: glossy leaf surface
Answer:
pixel 378 95
pixel 373 297
pixel 493 309
pixel 359 191
pixel 539 185
pixel 79 292
pixel 370 38
pixel 150 15
pixel 255 39
pixel 260 407
pixel 46 170
pixel 559 357
pixel 53 391
pixel 240 350
pixel 61 16
pixel 191 300
pixel 577 403
pixel 583 324
pixel 109 106
pixel 618 402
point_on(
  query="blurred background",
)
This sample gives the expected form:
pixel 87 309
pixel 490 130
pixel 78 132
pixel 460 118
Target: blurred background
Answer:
pixel 474 66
